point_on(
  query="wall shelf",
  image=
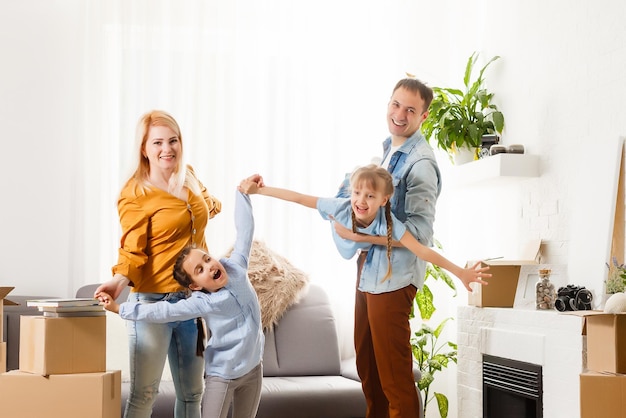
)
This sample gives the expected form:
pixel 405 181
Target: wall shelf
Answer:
pixel 495 169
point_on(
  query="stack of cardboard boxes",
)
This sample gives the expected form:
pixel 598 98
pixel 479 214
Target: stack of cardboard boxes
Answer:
pixel 62 370
pixel 603 384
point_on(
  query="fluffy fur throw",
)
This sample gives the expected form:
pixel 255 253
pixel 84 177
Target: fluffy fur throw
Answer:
pixel 277 282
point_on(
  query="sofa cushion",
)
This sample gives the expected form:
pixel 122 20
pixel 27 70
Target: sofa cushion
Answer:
pixel 277 282
pixel 311 397
pixel 304 343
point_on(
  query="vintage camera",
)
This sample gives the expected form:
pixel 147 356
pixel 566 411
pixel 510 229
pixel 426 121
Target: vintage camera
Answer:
pixel 487 141
pixel 573 298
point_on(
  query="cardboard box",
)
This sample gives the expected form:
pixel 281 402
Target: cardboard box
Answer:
pixel 606 341
pixel 62 345
pixel 83 395
pixel 4 291
pixel 3 357
pixel 602 395
pixel 500 292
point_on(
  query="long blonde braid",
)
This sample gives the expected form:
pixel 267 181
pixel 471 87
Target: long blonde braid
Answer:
pixel 389 239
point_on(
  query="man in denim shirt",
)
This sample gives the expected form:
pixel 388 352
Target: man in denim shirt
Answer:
pixel 382 331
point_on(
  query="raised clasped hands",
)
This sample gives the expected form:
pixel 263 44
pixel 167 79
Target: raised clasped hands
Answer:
pixel 108 302
pixel 474 274
pixel 251 184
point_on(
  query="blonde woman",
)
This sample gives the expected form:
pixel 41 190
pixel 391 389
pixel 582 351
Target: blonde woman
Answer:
pixel 163 208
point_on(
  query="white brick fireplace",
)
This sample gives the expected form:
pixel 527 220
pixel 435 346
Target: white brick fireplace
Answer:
pixel 550 339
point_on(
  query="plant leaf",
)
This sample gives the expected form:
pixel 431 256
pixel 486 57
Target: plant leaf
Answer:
pixel 438 273
pixel 442 403
pixel 425 381
pixel 468 68
pixel 440 327
pixel 498 120
pixel 424 300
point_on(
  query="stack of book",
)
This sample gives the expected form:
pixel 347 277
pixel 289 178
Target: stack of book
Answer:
pixel 68 307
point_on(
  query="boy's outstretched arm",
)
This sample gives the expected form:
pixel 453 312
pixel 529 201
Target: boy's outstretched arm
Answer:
pixel 466 275
pixel 254 185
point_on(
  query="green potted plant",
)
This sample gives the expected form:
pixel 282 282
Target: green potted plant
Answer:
pixel 458 119
pixel 430 353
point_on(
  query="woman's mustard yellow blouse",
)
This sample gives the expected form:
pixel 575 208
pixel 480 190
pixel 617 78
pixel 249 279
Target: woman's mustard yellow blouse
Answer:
pixel 156 226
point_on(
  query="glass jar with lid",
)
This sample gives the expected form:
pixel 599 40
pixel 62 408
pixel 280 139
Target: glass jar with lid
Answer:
pixel 546 292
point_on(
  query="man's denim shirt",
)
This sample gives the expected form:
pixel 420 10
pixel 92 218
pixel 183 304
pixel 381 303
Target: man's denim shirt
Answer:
pixel 417 183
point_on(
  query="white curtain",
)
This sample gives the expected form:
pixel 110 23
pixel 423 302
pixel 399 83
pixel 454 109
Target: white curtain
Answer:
pixel 294 90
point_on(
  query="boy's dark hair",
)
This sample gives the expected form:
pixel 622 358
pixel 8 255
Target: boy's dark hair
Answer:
pixel 414 85
pixel 181 276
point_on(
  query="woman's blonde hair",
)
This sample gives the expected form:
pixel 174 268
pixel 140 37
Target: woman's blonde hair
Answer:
pixel 378 179
pixel 181 177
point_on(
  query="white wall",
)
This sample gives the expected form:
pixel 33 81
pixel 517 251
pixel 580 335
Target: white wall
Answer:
pixel 40 118
pixel 559 84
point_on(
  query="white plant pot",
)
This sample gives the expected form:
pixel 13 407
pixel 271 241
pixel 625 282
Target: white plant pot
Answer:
pixel 464 155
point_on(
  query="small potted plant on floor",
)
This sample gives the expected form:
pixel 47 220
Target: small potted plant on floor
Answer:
pixel 458 119
pixel 431 352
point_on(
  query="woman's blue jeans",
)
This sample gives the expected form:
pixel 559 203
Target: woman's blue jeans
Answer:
pixel 149 345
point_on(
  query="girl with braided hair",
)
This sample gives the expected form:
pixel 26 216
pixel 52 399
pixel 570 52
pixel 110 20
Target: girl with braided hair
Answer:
pixel 367 211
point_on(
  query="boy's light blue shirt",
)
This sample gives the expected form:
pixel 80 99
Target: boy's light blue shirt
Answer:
pixel 232 314
pixel 417 183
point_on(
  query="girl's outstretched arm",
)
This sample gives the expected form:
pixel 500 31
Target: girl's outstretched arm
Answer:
pixel 466 275
pixel 254 185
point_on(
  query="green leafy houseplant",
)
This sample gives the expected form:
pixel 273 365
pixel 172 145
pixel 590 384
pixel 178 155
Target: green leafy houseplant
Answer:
pixel 616 282
pixel 460 118
pixel 429 353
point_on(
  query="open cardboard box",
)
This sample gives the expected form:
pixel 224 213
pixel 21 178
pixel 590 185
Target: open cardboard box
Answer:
pixel 606 340
pixel 500 292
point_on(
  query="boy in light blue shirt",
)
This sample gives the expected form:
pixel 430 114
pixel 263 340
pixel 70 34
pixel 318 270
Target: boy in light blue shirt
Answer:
pixel 224 297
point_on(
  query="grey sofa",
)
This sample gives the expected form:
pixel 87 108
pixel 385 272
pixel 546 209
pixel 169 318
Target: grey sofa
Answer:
pixel 303 375
pixel 302 369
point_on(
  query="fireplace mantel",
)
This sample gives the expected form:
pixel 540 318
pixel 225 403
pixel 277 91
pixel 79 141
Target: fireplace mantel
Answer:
pixel 548 338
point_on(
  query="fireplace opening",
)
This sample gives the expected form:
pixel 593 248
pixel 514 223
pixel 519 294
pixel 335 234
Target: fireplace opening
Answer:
pixel 511 388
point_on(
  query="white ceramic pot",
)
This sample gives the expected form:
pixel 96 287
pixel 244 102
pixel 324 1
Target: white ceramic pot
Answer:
pixel 464 155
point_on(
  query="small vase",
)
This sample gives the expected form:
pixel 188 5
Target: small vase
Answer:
pixel 546 293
